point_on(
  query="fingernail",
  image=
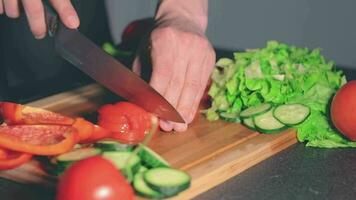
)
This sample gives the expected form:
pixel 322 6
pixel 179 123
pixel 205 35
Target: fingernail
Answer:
pixel 73 21
pixel 166 125
pixel 180 127
pixel 38 37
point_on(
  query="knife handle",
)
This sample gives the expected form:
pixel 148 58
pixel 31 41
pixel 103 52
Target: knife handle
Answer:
pixel 51 17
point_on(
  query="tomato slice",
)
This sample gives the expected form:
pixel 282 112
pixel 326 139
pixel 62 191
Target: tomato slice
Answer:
pixel 98 134
pixel 13 113
pixel 12 159
pixel 38 139
pixel 128 122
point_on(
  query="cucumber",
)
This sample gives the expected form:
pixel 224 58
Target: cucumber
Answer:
pixel 266 123
pixel 255 110
pixel 249 123
pixel 143 189
pixel 107 145
pixel 68 158
pixel 291 114
pixel 230 117
pixel 120 160
pixel 167 181
pixel 150 158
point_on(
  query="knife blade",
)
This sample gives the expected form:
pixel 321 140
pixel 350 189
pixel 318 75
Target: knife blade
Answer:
pixel 106 70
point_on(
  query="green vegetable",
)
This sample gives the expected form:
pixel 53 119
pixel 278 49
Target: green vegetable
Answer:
pixel 280 74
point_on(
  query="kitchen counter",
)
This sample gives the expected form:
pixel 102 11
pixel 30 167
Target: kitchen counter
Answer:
pixel 298 172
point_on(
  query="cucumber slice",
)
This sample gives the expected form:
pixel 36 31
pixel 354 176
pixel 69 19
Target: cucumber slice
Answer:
pixel 150 158
pixel 230 117
pixel 266 123
pixel 76 154
pixel 120 159
pixel 167 181
pixel 107 145
pixel 143 189
pixel 291 114
pixel 255 110
pixel 249 123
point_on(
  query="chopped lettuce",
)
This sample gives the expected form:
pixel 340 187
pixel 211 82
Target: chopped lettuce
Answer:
pixel 278 74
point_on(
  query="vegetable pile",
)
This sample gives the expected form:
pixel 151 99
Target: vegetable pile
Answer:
pixel 109 158
pixel 279 75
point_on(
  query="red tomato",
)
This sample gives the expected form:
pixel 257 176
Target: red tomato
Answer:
pixel 93 179
pixel 343 110
pixel 126 121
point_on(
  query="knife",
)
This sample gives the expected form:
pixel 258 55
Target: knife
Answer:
pixel 106 70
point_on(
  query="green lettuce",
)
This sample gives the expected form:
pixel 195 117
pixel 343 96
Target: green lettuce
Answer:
pixel 278 74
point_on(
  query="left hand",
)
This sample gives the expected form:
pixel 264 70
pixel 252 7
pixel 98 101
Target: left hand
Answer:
pixel 182 61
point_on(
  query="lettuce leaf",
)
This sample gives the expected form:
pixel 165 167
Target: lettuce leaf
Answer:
pixel 280 73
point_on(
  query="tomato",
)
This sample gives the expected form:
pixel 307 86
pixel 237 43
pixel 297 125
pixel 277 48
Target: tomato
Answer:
pixel 98 134
pixel 20 114
pixel 127 122
pixel 38 139
pixel 343 110
pixel 93 178
pixel 12 159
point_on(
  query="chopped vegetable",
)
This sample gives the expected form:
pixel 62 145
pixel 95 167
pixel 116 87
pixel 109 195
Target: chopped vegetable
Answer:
pixel 280 74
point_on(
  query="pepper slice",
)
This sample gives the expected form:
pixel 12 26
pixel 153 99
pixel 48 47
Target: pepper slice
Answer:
pixel 38 139
pixel 12 159
pixel 13 113
pixel 98 134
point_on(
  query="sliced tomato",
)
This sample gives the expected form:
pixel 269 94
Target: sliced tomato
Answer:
pixel 38 139
pixel 84 128
pixel 98 134
pixel 20 114
pixel 12 159
pixel 127 122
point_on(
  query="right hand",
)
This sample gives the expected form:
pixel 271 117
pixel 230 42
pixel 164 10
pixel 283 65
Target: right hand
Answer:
pixel 35 13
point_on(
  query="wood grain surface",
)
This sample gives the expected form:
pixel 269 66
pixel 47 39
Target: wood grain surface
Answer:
pixel 211 152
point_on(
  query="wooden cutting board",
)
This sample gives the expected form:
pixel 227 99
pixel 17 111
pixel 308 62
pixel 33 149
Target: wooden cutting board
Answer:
pixel 211 152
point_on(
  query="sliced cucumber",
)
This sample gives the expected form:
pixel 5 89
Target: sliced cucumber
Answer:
pixel 75 155
pixel 266 123
pixel 150 158
pixel 255 110
pixel 143 189
pixel 249 123
pixel 230 117
pixel 107 145
pixel 120 160
pixel 291 114
pixel 167 181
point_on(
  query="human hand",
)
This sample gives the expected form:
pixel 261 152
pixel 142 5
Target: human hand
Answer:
pixel 35 13
pixel 182 61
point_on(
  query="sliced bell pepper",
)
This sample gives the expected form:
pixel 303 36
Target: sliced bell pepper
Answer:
pixel 84 128
pixel 13 113
pixel 12 159
pixel 98 134
pixel 38 139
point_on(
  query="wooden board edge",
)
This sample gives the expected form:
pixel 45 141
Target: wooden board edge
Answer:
pixel 216 174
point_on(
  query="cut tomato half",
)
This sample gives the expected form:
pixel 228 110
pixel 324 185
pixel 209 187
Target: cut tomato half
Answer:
pixel 12 159
pixel 127 122
pixel 98 134
pixel 38 139
pixel 13 113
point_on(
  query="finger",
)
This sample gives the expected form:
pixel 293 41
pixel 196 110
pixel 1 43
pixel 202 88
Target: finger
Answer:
pixel 12 8
pixel 208 64
pixel 136 66
pixel 66 12
pixel 35 16
pixel 1 8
